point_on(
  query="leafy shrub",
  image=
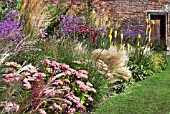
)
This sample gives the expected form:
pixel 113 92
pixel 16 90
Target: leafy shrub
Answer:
pixel 159 62
pixel 145 63
pixel 139 64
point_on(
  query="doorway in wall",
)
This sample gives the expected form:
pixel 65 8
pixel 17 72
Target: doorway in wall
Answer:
pixel 160 28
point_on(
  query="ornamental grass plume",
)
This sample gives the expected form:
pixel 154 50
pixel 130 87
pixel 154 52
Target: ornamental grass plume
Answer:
pixel 36 15
pixel 16 47
pixel 115 60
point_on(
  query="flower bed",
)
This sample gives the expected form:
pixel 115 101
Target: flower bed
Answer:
pixel 68 63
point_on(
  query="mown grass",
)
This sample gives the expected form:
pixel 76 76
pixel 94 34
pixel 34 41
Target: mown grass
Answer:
pixel 151 96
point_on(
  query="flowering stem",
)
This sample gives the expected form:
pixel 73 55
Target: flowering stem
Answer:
pixel 5 56
pixel 54 78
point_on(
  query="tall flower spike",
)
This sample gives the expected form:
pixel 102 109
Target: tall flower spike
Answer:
pixel 138 44
pixel 102 44
pixel 139 36
pixel 121 36
pixel 110 35
pixel 153 22
pixel 128 46
pixel 115 33
pixel 117 24
pixel 147 29
pixel 150 30
pixel 108 23
pixel 147 20
pixel 121 46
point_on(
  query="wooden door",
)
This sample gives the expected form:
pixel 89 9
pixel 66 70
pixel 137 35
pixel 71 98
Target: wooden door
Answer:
pixel 158 34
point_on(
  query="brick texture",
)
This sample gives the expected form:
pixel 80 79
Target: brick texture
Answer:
pixel 122 9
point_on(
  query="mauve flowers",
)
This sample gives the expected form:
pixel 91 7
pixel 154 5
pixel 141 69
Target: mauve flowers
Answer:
pixel 69 24
pixel 71 110
pixel 55 106
pixel 42 111
pixel 89 98
pixel 81 106
pixel 61 93
pixel 14 64
pixel 58 82
pixel 11 107
pixel 11 77
pixel 10 26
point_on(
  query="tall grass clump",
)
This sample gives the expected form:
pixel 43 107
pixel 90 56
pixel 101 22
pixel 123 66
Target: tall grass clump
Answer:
pixel 36 16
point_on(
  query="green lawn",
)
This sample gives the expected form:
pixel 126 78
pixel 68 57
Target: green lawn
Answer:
pixel 151 96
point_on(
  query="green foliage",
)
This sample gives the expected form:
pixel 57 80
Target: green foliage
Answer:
pixel 159 62
pixel 145 64
pixel 100 83
pixel 9 5
pixel 139 64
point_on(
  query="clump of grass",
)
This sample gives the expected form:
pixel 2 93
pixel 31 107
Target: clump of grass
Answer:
pixel 35 14
pixel 116 61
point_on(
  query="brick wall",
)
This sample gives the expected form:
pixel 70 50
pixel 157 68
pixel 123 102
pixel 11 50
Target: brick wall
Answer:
pixel 122 9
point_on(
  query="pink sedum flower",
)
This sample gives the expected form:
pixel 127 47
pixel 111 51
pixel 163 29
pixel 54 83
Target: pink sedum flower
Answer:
pixel 65 66
pixel 81 106
pixel 10 70
pixel 109 75
pixel 68 72
pixel 42 111
pixel 27 85
pixel 89 84
pixel 93 90
pixel 50 92
pixel 11 77
pixel 55 106
pixel 71 110
pixel 66 81
pixel 81 75
pixel 48 62
pixel 11 107
pixel 89 98
pixel 58 82
pixel 67 89
pixel 14 64
pixel 83 71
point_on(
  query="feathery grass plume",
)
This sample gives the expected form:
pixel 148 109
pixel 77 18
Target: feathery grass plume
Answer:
pixel 36 15
pixel 115 60
pixel 80 49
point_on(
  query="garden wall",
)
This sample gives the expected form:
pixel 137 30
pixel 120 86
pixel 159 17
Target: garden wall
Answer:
pixel 123 9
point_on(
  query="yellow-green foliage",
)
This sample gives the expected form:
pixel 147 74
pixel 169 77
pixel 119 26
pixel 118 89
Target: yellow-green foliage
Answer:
pixel 158 61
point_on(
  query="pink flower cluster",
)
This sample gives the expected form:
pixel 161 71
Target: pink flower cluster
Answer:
pixel 11 77
pixel 62 94
pixel 35 76
pixel 85 87
pixel 60 67
pixel 10 106
pixel 14 64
